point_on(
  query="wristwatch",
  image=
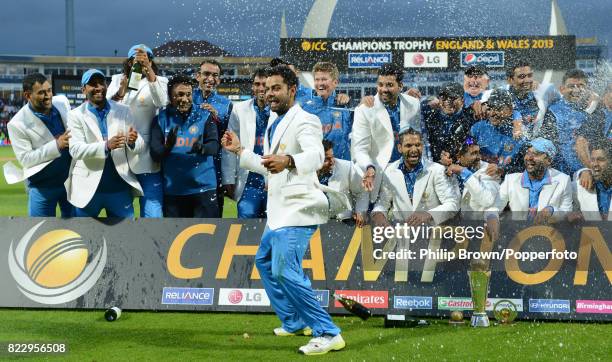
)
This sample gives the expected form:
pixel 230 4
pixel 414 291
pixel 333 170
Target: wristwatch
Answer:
pixel 291 164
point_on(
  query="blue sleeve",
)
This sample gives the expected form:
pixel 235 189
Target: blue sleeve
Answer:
pixel 465 174
pixel 156 142
pixel 516 115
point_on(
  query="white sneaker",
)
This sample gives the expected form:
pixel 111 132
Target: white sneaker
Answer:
pixel 281 332
pixel 322 345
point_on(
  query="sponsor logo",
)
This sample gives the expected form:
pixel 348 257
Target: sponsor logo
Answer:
pixel 316 46
pixel 237 296
pixel 449 303
pixel 368 60
pixel 426 60
pixel 194 296
pixel 410 302
pixel 464 303
pixel 489 59
pixel 549 305
pixel 322 297
pixel 54 269
pixel 594 306
pixel 369 298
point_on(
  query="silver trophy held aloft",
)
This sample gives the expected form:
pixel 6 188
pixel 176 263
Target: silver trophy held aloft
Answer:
pixel 479 286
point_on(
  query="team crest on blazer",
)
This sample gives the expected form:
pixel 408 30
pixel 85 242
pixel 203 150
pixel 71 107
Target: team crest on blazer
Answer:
pixel 141 99
pixel 282 146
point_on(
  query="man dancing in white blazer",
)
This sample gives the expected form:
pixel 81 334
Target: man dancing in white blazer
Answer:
pixel 102 137
pixel 296 206
pixel 416 190
pixel 39 139
pixel 376 129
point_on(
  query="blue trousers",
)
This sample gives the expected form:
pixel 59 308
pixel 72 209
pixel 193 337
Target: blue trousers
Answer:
pixel 43 201
pixel 252 203
pixel 279 261
pixel 116 204
pixel 152 203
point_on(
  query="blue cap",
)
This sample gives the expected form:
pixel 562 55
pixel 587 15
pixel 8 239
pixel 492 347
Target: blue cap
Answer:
pixel 90 74
pixel 543 145
pixel 132 51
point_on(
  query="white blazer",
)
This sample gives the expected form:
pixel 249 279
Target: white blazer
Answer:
pixel 144 104
pixel 345 179
pixel 243 122
pixel 295 198
pixel 479 191
pixel 88 151
pixel 586 202
pixel 558 194
pixel 33 144
pixel 434 192
pixel 372 138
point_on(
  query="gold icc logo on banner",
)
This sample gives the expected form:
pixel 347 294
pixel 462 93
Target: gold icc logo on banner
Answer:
pixel 317 46
pixel 54 269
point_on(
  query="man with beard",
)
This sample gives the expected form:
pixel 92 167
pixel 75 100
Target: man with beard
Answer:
pixel 595 204
pixel 206 97
pixel 478 190
pixel 494 135
pixel 249 120
pixel 39 139
pixel 416 190
pixel 540 191
pixel 449 123
pixel 376 129
pixel 103 135
pixel 296 206
pixel 144 104
pixel 341 176
pixel 576 127
pixel 184 139
pixel 336 121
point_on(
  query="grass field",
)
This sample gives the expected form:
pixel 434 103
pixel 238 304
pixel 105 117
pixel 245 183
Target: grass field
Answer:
pixel 146 336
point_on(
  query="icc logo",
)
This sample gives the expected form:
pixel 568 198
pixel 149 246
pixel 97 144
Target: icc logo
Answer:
pixel 314 45
pixel 53 269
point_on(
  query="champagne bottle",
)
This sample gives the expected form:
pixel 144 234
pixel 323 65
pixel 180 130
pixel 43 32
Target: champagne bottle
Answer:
pixel 403 321
pixel 112 314
pixel 135 76
pixel 354 307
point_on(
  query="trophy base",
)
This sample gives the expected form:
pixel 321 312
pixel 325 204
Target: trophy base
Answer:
pixel 479 320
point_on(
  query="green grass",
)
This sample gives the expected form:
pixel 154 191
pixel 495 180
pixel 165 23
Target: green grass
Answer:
pixel 14 201
pixel 145 336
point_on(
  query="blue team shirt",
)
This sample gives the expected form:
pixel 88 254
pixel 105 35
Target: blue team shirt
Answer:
pixel 255 180
pixel 468 99
pixel 303 94
pixel 186 174
pixel 410 176
pixel 335 122
pixel 535 187
pixel 603 197
pixel 272 129
pixel 569 119
pixel 394 116
pixel 56 172
pixel 496 143
pixel 110 182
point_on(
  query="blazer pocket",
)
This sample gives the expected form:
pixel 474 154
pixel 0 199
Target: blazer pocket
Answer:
pixel 294 190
